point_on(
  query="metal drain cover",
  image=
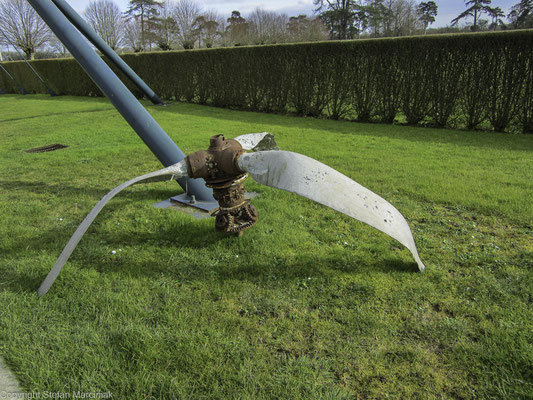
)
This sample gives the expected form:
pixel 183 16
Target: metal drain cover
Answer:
pixel 50 147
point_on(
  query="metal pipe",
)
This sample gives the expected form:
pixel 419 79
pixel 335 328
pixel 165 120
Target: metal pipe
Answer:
pixel 101 45
pixel 50 91
pixel 22 90
pixel 127 105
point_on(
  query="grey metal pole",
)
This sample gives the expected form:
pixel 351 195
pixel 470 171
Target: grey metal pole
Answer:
pixel 22 90
pixel 127 105
pixel 50 91
pixel 101 45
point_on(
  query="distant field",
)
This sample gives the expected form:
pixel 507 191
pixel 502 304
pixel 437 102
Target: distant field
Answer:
pixel 308 304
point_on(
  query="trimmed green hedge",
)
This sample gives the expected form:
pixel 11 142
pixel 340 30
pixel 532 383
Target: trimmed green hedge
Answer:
pixel 468 80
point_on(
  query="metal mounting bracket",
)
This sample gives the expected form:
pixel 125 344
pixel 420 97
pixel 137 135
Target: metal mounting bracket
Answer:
pixel 184 198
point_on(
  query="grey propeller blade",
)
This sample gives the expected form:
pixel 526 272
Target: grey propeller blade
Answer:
pixel 318 182
pixel 176 171
pixel 257 141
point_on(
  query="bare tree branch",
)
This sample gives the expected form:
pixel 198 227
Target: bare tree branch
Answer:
pixel 105 18
pixel 23 27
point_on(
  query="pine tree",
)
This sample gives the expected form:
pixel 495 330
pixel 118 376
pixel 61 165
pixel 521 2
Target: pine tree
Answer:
pixel 521 14
pixel 146 11
pixel 427 11
pixel 477 7
pixel 339 16
pixel 237 29
pixel 496 14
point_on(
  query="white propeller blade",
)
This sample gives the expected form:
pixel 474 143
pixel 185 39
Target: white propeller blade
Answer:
pixel 176 171
pixel 257 141
pixel 318 182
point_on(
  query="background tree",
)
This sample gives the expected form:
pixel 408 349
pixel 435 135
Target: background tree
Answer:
pixel 237 29
pixel 303 29
pixel 146 11
pixel 3 43
pixel 267 27
pixel 296 26
pixel 208 28
pixel 186 13
pixel 200 29
pixel 388 17
pixel 133 35
pixel 497 15
pixel 427 11
pixel 58 48
pixel 521 15
pixel 477 7
pixel 214 28
pixel 105 18
pixel 404 19
pixel 3 47
pixel 376 12
pixel 23 27
pixel 339 16
pixel 166 29
pixel 361 19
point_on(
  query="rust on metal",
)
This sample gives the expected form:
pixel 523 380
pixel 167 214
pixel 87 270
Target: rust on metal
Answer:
pixel 218 166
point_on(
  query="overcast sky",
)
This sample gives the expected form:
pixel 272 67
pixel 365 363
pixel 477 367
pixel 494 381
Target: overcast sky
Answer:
pixel 448 9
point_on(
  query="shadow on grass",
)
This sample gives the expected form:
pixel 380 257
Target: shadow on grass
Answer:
pixel 55 114
pixel 197 237
pixel 72 191
pixel 308 266
pixel 17 282
pixel 41 187
pixel 45 238
pixel 417 134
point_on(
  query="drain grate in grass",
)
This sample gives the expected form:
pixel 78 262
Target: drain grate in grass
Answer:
pixel 50 147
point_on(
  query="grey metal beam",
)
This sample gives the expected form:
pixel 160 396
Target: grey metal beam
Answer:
pixel 101 45
pixel 127 105
pixel 48 89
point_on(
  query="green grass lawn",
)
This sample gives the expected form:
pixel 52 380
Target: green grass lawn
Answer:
pixel 308 304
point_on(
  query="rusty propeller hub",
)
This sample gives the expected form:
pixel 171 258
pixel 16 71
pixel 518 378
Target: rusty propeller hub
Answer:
pixel 218 167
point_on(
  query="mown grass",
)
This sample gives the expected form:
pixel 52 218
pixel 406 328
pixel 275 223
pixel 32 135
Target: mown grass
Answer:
pixel 309 304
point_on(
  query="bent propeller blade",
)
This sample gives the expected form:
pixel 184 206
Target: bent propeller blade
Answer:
pixel 310 178
pixel 176 171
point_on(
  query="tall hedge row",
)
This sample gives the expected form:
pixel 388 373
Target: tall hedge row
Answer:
pixel 468 80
